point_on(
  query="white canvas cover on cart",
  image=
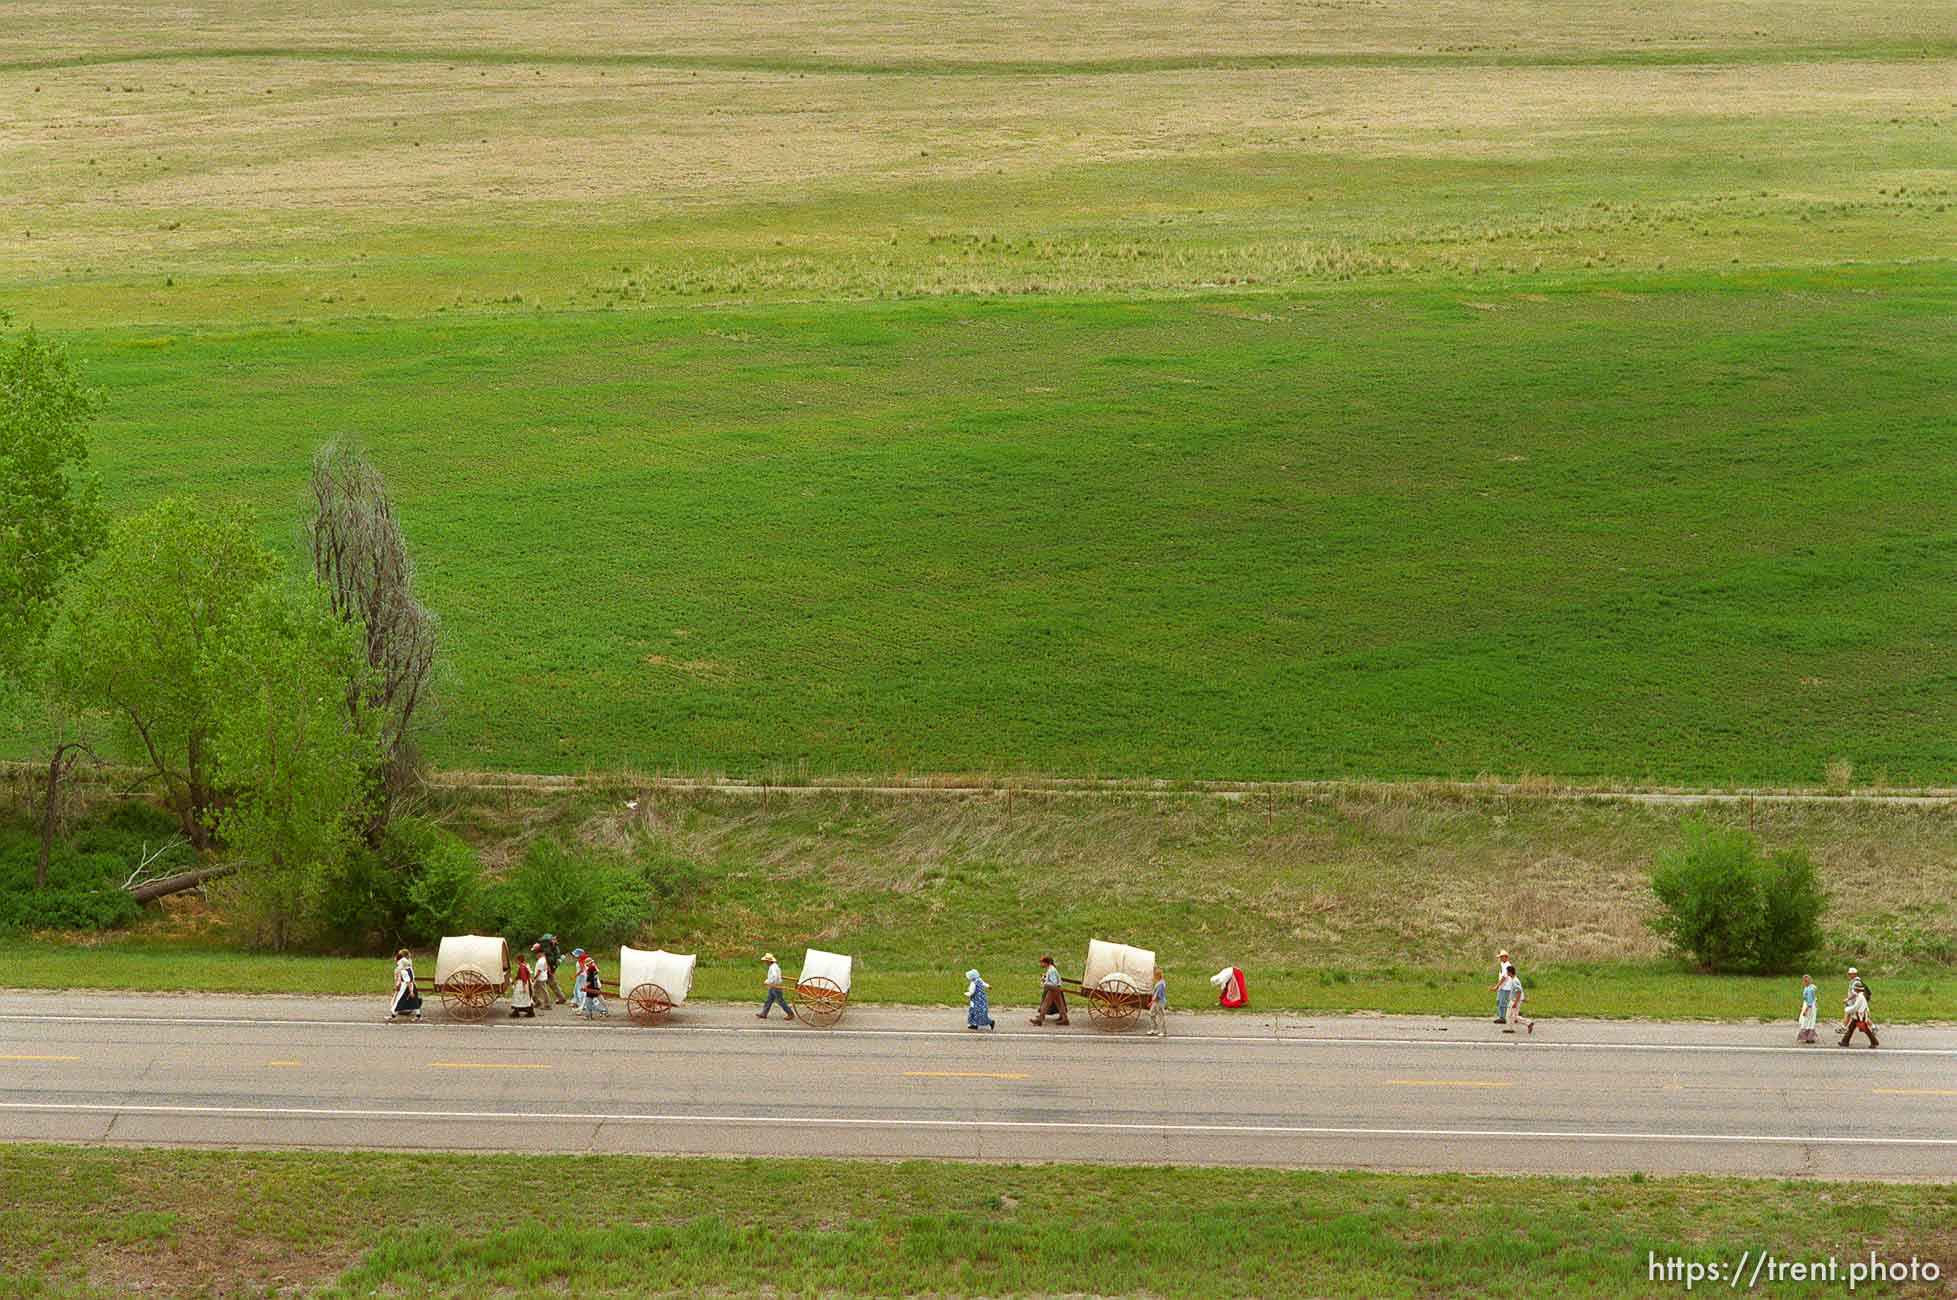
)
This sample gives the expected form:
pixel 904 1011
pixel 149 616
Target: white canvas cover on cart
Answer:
pixel 672 971
pixel 833 966
pixel 1136 965
pixel 487 956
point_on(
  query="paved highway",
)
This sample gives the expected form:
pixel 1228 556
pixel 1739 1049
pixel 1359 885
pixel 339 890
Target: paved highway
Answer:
pixel 1350 1092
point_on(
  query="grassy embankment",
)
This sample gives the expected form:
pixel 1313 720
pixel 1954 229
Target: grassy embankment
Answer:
pixel 337 1224
pixel 1680 529
pixel 1399 399
pixel 1359 899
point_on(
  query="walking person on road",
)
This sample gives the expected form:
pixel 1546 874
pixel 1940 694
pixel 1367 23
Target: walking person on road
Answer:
pixel 406 1000
pixel 771 981
pixel 553 958
pixel 521 1003
pixel 978 1009
pixel 1501 975
pixel 1809 1011
pixel 1053 998
pixel 1515 1016
pixel 1158 1007
pixel 591 987
pixel 540 977
pixel 1855 1014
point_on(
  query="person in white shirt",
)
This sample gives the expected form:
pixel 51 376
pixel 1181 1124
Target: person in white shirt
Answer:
pixel 1515 1016
pixel 541 975
pixel 772 981
pixel 1856 1012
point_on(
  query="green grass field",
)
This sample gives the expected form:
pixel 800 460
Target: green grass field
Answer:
pixel 1358 900
pixel 1528 388
pixel 334 1224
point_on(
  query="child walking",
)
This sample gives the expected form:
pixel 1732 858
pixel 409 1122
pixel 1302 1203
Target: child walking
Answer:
pixel 541 975
pixel 520 1000
pixel 1158 1007
pixel 1809 1010
pixel 978 1009
pixel 593 989
pixel 1515 1004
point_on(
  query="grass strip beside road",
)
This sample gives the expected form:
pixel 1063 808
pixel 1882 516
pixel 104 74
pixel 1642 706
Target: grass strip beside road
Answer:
pixel 334 1224
pixel 1656 991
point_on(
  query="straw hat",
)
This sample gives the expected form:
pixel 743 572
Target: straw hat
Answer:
pixel 768 957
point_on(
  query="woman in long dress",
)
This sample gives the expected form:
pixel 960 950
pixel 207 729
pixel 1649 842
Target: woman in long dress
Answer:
pixel 406 1001
pixel 978 1011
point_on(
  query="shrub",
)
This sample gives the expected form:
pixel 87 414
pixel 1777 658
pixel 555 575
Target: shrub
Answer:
pixel 423 883
pixel 1731 909
pixel 444 888
pixel 587 901
pixel 85 872
pixel 364 907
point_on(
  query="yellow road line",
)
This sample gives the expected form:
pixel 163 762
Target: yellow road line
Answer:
pixel 40 1058
pixel 285 1062
pixel 1448 1083
pixel 957 1074
pixel 1914 1092
pixel 483 1065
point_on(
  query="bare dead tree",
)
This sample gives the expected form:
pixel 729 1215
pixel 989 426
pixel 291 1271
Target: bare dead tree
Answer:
pixel 362 560
pixel 183 881
pixel 142 873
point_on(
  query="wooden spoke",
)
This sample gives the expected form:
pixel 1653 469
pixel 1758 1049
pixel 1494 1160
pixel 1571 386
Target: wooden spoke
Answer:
pixel 819 1002
pixel 468 996
pixel 1115 1001
pixel 648 1002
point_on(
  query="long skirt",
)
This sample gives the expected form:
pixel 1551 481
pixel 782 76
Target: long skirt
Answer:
pixel 978 1012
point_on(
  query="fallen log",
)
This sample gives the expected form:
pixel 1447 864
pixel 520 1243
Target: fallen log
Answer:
pixel 151 890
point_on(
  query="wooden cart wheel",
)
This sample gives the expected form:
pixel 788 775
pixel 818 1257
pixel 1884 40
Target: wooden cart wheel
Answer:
pixel 468 996
pixel 819 1001
pixel 1114 1001
pixel 648 1002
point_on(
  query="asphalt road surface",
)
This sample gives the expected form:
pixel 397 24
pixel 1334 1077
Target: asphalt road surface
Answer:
pixel 1241 1088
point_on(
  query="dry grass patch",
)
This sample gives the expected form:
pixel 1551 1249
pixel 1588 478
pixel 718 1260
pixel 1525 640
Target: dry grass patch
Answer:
pixel 999 29
pixel 266 167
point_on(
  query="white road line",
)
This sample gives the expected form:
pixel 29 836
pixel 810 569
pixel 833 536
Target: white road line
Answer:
pixel 1295 1039
pixel 1091 1126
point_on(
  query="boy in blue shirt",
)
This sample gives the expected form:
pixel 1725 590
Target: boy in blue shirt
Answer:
pixel 1158 1004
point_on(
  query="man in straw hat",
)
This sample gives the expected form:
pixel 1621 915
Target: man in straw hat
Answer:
pixel 772 980
pixel 1855 1011
pixel 1501 987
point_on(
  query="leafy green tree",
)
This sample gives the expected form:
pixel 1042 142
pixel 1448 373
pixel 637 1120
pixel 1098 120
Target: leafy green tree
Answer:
pixel 51 518
pixel 1732 909
pixel 144 638
pixel 293 760
pixel 51 522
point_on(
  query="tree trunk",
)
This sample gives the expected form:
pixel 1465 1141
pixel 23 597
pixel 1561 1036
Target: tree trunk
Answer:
pixel 177 884
pixel 65 756
pixel 47 821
